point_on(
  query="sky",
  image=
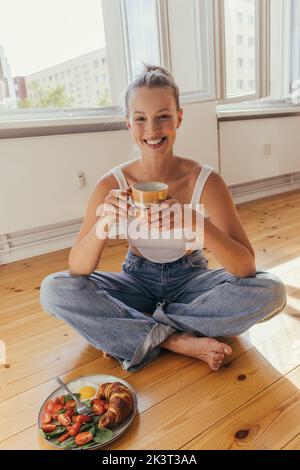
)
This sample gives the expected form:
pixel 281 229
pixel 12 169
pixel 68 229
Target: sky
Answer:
pixel 37 34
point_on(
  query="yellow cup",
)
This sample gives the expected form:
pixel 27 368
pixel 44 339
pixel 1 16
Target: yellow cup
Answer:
pixel 145 194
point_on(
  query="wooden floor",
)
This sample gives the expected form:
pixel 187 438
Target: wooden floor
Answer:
pixel 251 403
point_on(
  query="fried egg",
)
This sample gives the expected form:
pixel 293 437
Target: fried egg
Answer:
pixel 87 387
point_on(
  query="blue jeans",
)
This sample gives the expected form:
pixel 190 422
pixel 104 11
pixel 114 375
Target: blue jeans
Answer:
pixel 110 309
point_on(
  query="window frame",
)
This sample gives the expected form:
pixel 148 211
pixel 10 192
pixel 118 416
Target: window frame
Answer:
pixel 206 21
pixel 262 53
pixel 280 57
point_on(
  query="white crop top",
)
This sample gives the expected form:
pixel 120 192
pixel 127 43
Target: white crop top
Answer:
pixel 164 248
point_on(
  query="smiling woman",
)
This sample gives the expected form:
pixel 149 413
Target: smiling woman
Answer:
pixel 165 296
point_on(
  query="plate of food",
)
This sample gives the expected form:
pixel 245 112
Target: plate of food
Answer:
pixel 112 403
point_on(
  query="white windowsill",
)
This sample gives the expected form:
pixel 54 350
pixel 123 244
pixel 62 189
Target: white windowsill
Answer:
pixel 256 108
pixel 47 121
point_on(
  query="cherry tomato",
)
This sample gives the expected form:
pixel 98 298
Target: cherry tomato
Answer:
pixel 47 418
pixel 84 438
pixel 64 419
pixel 98 407
pixel 64 437
pixel 98 400
pixel 55 411
pixel 70 404
pixel 49 406
pixel 60 400
pixel 74 418
pixel 48 427
pixel 75 429
pixel 83 419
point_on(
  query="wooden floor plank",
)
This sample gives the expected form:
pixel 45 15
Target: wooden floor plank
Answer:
pixel 268 421
pixel 294 444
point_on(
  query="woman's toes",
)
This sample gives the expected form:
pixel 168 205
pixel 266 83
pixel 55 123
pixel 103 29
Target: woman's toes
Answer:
pixel 227 349
pixel 222 348
pixel 218 357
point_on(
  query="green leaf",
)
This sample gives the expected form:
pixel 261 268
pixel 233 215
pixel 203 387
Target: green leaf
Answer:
pixel 89 444
pixel 87 403
pixel 68 443
pixel 94 429
pixel 56 432
pixel 86 427
pixel 42 433
pixel 69 397
pixel 103 435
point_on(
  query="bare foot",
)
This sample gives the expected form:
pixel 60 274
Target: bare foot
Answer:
pixel 208 350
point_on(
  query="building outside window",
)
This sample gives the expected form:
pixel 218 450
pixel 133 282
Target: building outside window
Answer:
pixel 240 52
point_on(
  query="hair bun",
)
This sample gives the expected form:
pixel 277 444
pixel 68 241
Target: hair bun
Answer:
pixel 156 68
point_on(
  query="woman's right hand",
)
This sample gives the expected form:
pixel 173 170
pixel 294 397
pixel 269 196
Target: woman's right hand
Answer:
pixel 117 205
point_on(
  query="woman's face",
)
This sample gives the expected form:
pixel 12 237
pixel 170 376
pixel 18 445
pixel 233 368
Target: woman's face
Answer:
pixel 154 120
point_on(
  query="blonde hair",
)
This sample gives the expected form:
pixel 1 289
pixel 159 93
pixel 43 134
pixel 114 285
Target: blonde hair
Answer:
pixel 153 76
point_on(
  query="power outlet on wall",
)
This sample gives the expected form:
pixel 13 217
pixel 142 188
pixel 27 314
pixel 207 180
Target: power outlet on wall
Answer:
pixel 80 179
pixel 267 150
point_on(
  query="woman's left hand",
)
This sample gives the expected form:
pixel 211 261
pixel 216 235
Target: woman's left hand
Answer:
pixel 170 215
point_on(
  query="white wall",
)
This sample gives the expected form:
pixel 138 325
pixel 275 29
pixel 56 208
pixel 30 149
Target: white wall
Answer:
pixel 38 183
pixel 244 157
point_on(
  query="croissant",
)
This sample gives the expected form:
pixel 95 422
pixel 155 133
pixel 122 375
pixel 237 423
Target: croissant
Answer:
pixel 120 403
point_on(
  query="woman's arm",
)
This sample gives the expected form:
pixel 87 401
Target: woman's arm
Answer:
pixel 224 234
pixel 85 255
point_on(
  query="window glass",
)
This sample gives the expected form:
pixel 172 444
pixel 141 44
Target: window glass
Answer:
pixel 140 18
pixel 295 50
pixel 56 42
pixel 187 46
pixel 240 47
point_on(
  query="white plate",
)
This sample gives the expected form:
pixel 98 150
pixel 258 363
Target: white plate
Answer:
pixel 75 385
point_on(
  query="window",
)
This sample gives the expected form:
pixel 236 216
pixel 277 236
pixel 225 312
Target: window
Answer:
pixel 238 52
pixel 294 80
pixel 122 34
pixel 191 41
pixel 73 45
pixel 141 34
